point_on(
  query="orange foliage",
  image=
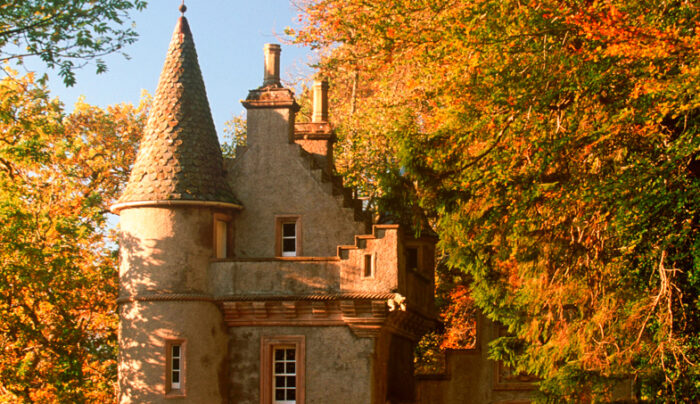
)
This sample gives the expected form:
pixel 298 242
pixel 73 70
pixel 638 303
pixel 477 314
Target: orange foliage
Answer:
pixel 58 283
pixel 460 320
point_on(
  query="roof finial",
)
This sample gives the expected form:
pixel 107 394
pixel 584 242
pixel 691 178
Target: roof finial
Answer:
pixel 183 8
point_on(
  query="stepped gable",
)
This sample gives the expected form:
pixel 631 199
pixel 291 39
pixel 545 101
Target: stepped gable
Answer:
pixel 179 158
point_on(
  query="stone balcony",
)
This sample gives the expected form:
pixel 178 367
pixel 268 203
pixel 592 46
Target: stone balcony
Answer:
pixel 316 289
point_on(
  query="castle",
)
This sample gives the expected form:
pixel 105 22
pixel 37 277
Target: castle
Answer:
pixel 260 279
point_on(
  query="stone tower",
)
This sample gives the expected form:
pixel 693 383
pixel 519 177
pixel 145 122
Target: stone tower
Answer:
pixel 173 207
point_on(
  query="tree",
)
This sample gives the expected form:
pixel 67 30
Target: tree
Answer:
pixel 235 135
pixel 65 34
pixel 554 147
pixel 58 283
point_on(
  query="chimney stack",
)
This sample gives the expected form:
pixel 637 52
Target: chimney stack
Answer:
pixel 272 65
pixel 320 107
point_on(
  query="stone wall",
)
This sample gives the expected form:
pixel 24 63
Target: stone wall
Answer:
pixel 165 254
pixel 471 378
pixel 165 249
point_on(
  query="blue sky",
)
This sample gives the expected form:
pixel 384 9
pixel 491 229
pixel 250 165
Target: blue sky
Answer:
pixel 229 36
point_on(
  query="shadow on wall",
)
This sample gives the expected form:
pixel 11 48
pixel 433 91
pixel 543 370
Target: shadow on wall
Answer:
pixel 136 351
pixel 274 277
pixel 142 329
pixel 133 254
pixel 163 301
pixel 168 251
pixel 318 278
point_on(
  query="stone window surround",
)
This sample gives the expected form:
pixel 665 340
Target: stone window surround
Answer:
pixel 279 221
pixel 180 392
pixel 267 345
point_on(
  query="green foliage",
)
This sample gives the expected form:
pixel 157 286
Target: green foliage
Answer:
pixel 235 135
pixel 429 358
pixel 65 34
pixel 554 146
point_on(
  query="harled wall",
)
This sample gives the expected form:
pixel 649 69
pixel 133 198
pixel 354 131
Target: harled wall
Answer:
pixel 163 279
pixel 338 364
pixel 271 178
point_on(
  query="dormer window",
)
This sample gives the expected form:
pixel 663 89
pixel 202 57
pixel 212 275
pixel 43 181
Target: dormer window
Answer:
pixel 288 238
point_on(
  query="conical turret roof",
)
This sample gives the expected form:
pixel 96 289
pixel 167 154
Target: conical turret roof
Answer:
pixel 179 158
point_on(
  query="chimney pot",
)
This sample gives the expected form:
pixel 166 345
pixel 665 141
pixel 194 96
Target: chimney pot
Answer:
pixel 320 102
pixel 272 65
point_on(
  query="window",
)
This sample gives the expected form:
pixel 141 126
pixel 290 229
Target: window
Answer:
pixel 288 229
pixel 175 370
pixel 368 266
pixel 284 375
pixel 412 258
pixel 222 236
pixel 289 239
pixel 282 367
pixel 220 229
pixel 175 367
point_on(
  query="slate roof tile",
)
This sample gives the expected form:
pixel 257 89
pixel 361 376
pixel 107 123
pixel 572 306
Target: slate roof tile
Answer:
pixel 179 156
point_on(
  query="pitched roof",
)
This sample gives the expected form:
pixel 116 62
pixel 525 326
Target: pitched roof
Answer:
pixel 179 158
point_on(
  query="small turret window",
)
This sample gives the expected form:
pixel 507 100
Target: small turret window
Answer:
pixel 175 370
pixel 175 367
pixel 220 238
pixel 223 234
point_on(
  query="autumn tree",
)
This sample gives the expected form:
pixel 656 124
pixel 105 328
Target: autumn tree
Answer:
pixel 65 34
pixel 58 282
pixel 554 146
